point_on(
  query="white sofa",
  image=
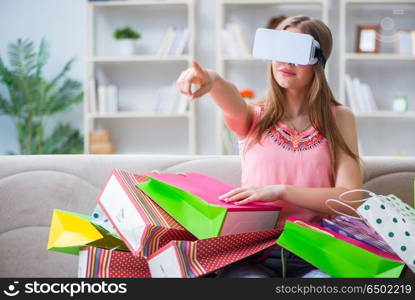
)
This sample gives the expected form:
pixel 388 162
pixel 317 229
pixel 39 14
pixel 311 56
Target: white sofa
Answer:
pixel 32 186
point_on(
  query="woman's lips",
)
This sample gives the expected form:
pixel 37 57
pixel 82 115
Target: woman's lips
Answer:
pixel 286 72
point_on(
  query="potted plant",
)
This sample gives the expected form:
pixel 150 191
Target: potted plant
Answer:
pixel 29 99
pixel 127 39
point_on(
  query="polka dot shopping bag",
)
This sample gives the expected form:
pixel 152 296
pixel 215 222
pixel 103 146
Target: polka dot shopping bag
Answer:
pixel 390 217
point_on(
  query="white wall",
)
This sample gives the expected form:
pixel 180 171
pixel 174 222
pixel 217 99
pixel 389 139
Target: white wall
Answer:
pixel 62 23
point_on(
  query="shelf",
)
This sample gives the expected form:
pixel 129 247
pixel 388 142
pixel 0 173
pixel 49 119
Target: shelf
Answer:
pixel 381 56
pixel 133 114
pixel 241 58
pixel 262 2
pixel 138 58
pixel 388 114
pixel 379 2
pixel 137 3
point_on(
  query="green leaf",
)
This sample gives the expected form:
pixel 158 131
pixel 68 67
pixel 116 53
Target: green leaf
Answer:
pixel 64 140
pixel 5 107
pixel 67 95
pixel 61 75
pixel 42 57
pixel 126 33
pixel 22 57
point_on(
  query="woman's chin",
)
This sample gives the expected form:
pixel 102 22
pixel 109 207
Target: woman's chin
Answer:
pixel 286 84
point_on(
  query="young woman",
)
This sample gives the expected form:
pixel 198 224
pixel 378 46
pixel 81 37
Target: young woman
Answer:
pixel 298 145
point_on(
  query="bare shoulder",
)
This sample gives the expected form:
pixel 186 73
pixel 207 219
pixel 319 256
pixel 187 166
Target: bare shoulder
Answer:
pixel 344 115
pixel 346 122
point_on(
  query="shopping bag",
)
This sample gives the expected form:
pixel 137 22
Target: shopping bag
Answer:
pixel 69 231
pixel 99 217
pixel 189 259
pixel 390 217
pixel 105 263
pixel 336 254
pixel 358 230
pixel 142 224
pixel 193 200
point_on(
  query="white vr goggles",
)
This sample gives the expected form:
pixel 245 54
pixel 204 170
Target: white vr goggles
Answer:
pixel 287 46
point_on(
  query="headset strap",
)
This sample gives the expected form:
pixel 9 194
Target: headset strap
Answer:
pixel 318 53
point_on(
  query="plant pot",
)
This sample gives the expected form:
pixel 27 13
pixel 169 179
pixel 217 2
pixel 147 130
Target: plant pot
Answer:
pixel 127 46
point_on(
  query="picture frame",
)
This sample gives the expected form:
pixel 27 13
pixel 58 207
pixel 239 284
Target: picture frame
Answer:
pixel 367 40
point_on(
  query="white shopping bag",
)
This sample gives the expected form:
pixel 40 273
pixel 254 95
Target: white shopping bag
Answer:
pixel 391 218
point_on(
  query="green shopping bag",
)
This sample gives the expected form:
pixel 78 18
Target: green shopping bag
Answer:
pixel 192 199
pixel 337 255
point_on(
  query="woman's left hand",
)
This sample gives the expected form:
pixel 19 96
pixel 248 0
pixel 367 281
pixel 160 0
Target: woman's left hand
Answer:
pixel 246 195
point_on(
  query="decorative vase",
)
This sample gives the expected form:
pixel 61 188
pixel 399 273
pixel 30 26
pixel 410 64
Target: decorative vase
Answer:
pixel 400 104
pixel 127 46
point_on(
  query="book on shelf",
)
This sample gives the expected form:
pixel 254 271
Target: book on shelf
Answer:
pixel 92 96
pixel 167 39
pixel 183 104
pixel 239 36
pixel 359 96
pixel 171 49
pixel 404 42
pixel 359 99
pixel 182 42
pixel 112 98
pixel 229 46
pixel 174 41
pixel 234 41
pixel 169 100
pixel 107 98
pixel 102 99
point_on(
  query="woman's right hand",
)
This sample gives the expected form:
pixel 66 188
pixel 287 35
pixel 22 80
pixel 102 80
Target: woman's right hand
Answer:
pixel 197 76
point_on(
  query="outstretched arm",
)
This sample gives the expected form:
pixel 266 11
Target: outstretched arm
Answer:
pixel 237 114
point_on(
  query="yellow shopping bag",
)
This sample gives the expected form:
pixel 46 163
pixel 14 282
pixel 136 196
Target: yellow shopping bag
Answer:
pixel 69 231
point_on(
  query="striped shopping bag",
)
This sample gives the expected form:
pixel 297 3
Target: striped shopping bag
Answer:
pixel 142 224
pixel 103 263
pixel 190 259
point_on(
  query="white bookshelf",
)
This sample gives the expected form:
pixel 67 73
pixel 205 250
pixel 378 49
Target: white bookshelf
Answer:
pixel 382 114
pixel 380 132
pixel 132 114
pixel 136 58
pixel 125 3
pixel 135 128
pixel 248 72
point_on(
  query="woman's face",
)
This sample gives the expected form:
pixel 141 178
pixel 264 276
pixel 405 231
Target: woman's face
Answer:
pixel 290 76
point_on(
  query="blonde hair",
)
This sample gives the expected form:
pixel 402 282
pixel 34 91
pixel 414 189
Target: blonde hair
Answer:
pixel 320 97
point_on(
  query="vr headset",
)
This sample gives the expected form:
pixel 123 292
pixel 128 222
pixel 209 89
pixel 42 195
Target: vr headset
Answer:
pixel 287 46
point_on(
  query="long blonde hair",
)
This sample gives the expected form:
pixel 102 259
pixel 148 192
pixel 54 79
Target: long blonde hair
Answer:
pixel 320 97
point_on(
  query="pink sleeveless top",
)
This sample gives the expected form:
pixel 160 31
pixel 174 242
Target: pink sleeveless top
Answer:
pixel 286 156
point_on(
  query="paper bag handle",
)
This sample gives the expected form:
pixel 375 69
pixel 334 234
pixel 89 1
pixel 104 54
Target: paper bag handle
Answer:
pixel 344 203
pixel 312 227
